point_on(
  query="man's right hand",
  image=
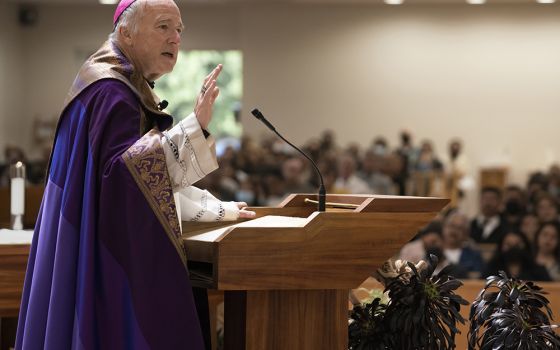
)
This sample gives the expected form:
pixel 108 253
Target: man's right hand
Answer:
pixel 206 98
pixel 243 212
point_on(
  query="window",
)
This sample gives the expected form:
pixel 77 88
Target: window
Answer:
pixel 181 87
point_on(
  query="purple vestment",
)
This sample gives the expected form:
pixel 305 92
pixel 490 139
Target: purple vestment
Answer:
pixel 106 268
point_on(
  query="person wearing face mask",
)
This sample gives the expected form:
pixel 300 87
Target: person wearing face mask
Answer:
pixel 513 255
pixel 514 206
pixel 246 192
pixel 107 267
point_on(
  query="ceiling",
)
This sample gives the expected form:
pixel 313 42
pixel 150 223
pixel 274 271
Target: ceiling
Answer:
pixel 374 2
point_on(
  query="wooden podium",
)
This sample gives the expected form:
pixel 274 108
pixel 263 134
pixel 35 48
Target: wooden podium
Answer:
pixel 286 280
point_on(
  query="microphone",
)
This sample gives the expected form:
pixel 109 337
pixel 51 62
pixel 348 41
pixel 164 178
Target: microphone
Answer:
pixel 162 105
pixel 322 192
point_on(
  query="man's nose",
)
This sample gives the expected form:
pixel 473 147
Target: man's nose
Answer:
pixel 175 38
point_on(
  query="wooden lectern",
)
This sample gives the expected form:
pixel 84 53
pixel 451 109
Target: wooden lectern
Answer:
pixel 286 280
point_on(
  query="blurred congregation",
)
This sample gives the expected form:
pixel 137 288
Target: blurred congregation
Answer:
pixel 511 227
pixel 514 228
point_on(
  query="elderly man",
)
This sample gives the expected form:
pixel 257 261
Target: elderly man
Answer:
pixel 348 181
pixel 107 267
pixel 455 249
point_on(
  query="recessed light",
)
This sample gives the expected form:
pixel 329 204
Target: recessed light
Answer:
pixel 546 1
pixel 476 2
pixel 108 2
pixel 394 2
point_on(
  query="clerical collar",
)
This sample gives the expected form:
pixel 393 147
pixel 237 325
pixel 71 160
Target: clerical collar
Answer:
pixel 151 83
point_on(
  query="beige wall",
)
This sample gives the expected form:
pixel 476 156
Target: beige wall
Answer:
pixel 11 86
pixel 489 74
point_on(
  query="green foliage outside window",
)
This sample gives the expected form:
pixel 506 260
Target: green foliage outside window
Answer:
pixel 181 87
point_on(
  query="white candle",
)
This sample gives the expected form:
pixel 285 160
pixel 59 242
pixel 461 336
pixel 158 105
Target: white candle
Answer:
pixel 17 196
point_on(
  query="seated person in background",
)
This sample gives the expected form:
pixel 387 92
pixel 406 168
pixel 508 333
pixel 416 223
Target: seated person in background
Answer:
pixel 430 241
pixel 529 226
pixel 546 208
pixel 514 205
pixel 488 226
pixel 455 249
pixel 547 248
pixel 414 250
pixel 294 176
pixel 380 146
pixel 273 189
pixel 371 173
pixel 249 191
pixel 513 255
pixel 537 184
pixel 348 181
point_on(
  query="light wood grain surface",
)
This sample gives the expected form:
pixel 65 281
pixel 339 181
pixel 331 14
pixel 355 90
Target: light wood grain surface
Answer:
pixel 287 287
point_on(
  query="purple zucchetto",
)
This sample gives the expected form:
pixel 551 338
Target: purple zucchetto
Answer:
pixel 121 7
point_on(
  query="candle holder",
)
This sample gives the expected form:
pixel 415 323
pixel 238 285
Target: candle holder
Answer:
pixel 17 195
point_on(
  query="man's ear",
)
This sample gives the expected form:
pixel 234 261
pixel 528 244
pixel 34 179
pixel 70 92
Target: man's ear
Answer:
pixel 126 35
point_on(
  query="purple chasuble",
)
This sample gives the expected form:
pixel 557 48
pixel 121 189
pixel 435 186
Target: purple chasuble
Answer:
pixel 106 270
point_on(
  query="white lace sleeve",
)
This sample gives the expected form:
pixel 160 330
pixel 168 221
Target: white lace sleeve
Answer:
pixel 200 205
pixel 189 155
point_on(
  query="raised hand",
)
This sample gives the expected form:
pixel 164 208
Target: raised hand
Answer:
pixel 206 97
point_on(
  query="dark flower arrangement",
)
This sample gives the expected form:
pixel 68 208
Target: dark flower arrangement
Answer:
pixel 516 315
pixel 367 330
pixel 422 312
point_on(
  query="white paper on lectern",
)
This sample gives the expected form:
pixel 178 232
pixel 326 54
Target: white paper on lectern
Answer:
pixel 265 221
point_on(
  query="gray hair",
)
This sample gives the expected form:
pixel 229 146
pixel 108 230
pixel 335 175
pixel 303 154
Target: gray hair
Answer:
pixel 128 19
